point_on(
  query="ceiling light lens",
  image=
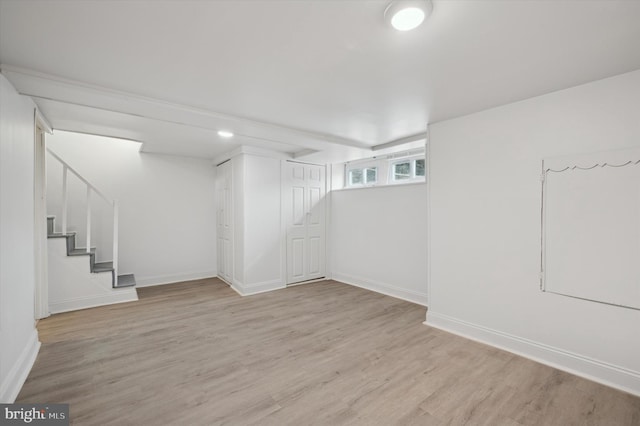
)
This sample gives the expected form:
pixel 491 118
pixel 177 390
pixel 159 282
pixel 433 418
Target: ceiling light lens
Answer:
pixel 407 19
pixel 225 134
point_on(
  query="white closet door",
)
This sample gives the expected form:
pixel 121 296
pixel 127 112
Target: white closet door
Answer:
pixel 224 221
pixel 305 220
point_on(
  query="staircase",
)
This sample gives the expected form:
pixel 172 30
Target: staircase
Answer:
pixel 127 280
pixel 75 283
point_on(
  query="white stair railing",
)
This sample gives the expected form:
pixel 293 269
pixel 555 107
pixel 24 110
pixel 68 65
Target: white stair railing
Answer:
pixel 90 190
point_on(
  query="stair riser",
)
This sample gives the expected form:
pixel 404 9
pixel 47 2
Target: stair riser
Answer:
pixel 71 243
pixel 127 280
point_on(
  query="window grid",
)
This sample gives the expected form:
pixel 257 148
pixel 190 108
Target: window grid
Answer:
pixel 395 171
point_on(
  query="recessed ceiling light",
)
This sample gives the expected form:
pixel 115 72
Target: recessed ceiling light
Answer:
pixel 225 133
pixel 405 15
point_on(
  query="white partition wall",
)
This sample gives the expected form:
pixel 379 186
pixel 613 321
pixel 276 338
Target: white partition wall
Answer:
pixel 379 239
pixel 249 223
pixel 18 336
pixel 262 234
pixel 485 229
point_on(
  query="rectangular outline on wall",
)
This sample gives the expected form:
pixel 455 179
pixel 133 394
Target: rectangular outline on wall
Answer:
pixel 543 239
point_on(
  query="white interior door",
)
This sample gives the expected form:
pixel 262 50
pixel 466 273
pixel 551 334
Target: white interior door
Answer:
pixel 304 201
pixel 224 222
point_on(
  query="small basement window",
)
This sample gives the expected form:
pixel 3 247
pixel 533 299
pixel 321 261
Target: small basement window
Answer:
pixel 362 176
pixel 392 169
pixel 402 170
pixel 407 170
pixel 419 167
pixel 355 177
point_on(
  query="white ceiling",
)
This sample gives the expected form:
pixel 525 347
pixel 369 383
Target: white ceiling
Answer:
pixel 302 76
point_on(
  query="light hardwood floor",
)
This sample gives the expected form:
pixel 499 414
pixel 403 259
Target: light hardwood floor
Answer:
pixel 326 353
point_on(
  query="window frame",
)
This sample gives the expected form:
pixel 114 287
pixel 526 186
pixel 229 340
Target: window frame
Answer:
pixel 412 170
pixel 363 167
pixel 384 166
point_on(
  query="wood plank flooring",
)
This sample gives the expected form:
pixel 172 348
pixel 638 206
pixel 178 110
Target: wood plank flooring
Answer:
pixel 326 353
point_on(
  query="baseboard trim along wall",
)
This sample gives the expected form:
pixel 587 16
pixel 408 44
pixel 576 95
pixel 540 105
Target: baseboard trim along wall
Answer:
pixel 257 288
pixel 174 278
pixel 118 296
pixel 591 369
pixel 10 387
pixel 387 289
pixel 235 288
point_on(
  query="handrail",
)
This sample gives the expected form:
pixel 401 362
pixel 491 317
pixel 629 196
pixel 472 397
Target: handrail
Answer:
pixel 72 170
pixel 90 188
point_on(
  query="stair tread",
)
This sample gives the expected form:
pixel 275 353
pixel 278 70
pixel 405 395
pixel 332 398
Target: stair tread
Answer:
pixel 81 252
pixel 59 235
pixel 127 280
pixel 124 281
pixel 102 267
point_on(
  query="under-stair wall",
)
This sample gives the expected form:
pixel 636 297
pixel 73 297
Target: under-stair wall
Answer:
pixel 77 280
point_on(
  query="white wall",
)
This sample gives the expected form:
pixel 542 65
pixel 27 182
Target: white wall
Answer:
pixel 167 208
pixel 18 337
pixel 379 239
pixel 263 242
pixel 237 185
pixel 257 231
pixel 485 229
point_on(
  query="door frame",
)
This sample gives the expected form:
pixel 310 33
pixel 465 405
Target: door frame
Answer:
pixel 229 208
pixel 283 224
pixel 41 288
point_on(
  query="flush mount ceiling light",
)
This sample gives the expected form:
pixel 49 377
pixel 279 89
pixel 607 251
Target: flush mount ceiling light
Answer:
pixel 405 15
pixel 225 133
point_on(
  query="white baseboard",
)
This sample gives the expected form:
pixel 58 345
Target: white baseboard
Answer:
pixel 591 369
pixel 317 280
pixel 174 278
pixel 11 385
pixel 387 289
pixel 223 280
pixel 236 288
pixel 257 288
pixel 118 296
